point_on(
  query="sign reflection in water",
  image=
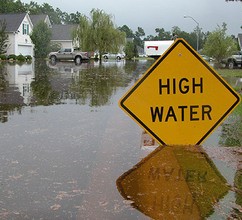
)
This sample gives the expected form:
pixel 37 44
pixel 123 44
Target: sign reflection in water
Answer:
pixel 174 183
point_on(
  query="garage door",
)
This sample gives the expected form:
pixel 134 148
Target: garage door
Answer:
pixel 25 50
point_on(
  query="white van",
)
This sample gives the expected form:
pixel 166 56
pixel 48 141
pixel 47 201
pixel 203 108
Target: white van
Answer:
pixel 156 48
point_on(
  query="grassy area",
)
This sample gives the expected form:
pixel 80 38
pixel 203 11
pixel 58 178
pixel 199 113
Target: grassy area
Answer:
pixel 231 131
pixel 142 58
pixel 230 73
pixel 232 76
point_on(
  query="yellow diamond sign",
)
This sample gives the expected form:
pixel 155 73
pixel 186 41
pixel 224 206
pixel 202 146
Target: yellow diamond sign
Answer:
pixel 180 99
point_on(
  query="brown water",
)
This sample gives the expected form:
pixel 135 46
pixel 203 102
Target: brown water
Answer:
pixel 68 151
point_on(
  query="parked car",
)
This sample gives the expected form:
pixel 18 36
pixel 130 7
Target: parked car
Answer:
pixel 117 56
pixel 69 54
pixel 233 61
pixel 207 58
pixel 68 67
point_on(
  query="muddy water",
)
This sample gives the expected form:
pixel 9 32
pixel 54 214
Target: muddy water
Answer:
pixel 68 151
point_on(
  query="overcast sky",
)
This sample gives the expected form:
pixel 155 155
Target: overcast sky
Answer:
pixel 150 14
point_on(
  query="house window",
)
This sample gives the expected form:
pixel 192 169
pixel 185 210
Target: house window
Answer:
pixel 25 29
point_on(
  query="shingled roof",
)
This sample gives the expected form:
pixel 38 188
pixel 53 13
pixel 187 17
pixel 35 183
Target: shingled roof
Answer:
pixel 37 18
pixel 62 32
pixel 13 21
pixel 41 17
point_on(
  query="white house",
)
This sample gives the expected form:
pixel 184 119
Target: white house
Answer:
pixel 62 34
pixel 19 26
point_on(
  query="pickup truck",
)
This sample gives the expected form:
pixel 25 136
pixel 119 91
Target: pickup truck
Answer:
pixel 69 54
pixel 233 61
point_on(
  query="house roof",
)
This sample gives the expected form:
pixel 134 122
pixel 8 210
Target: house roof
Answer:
pixel 62 32
pixel 240 40
pixel 140 50
pixel 13 21
pixel 37 18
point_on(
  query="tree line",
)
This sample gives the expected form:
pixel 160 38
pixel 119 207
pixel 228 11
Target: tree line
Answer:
pixel 55 14
pixel 98 32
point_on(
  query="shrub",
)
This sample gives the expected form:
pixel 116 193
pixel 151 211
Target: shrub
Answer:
pixel 21 58
pixel 12 57
pixel 28 58
pixel 3 57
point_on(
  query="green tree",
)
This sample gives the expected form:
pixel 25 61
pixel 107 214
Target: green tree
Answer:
pixel 98 33
pixel 83 33
pixel 140 32
pixel 218 45
pixel 43 93
pixel 41 36
pixel 3 37
pixel 162 34
pixel 11 6
pixel 72 18
pixel 129 50
pixel 33 8
pixel 138 41
pixel 129 33
pixel 55 15
pixel 191 38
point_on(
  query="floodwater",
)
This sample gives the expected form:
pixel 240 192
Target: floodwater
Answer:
pixel 69 152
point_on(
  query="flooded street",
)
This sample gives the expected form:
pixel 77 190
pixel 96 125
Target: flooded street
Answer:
pixel 69 152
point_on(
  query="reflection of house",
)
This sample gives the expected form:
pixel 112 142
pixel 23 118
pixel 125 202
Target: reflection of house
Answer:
pixel 62 34
pixel 21 76
pixel 18 28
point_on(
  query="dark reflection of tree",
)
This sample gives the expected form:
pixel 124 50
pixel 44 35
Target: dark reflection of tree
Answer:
pixel 43 94
pixel 94 85
pixel 10 99
pixel 237 214
pixel 3 82
pixel 137 67
pixel 97 85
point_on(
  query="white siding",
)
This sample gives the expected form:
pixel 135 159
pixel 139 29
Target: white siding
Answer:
pixel 11 44
pixel 64 44
pixel 20 41
pixel 25 50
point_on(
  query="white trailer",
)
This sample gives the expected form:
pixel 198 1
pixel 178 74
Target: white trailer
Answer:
pixel 156 48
